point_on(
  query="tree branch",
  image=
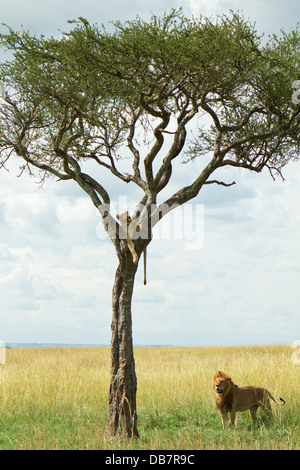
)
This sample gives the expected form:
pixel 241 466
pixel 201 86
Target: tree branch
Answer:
pixel 248 138
pixel 133 149
pixel 164 173
pixel 231 128
pixel 219 182
pixel 245 120
pixel 22 152
pixel 165 119
pixel 88 184
pixel 210 111
pixel 189 192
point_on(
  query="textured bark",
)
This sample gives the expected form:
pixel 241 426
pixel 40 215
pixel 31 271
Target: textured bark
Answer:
pixel 122 419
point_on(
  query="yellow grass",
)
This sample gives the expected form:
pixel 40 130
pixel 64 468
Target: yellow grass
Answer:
pixel 57 398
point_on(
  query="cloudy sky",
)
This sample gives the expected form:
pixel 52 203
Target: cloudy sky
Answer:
pixel 232 278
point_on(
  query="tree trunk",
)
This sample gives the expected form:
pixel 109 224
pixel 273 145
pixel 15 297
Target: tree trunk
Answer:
pixel 122 419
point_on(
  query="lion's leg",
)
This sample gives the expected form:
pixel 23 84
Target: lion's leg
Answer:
pixel 224 417
pixel 253 410
pixel 232 417
pixel 267 405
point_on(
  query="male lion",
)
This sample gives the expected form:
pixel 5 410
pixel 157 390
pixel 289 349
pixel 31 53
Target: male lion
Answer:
pixel 231 398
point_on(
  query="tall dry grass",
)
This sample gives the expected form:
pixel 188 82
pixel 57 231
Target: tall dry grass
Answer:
pixel 57 398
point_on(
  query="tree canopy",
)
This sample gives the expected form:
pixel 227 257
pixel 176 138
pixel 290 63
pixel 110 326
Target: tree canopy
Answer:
pixel 86 95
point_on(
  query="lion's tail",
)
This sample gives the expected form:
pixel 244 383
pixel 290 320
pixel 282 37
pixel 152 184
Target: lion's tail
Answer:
pixel 277 402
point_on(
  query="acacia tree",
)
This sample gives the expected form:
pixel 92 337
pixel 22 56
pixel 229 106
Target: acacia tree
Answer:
pixel 74 105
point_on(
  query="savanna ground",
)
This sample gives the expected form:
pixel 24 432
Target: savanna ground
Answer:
pixel 57 398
